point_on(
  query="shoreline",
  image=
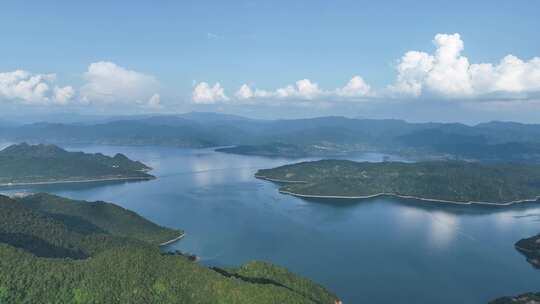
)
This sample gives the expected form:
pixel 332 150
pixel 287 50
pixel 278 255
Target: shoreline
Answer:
pixel 181 236
pixel 107 179
pixel 408 197
pixel 279 180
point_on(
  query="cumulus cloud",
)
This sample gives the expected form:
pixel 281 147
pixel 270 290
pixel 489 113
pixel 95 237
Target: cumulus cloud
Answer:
pixel 244 92
pixel 356 87
pixel 29 88
pixel 303 89
pixel 107 82
pixel 447 73
pixel 63 95
pixel 203 93
pixel 307 90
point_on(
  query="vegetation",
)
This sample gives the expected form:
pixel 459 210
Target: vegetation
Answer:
pixel 528 298
pixel 530 247
pixel 25 163
pixel 439 180
pixel 55 250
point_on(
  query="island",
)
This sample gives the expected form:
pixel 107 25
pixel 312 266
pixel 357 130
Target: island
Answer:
pixel 58 250
pixel 456 182
pixel 24 164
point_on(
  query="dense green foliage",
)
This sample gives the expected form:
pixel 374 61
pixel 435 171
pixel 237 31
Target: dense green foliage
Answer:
pixel 530 247
pixel 528 298
pixel 54 250
pixel 441 180
pixel 323 136
pixel 104 216
pixel 25 163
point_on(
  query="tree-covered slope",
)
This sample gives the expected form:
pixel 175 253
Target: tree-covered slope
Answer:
pixel 438 180
pixel 54 252
pixel 530 247
pixel 528 298
pixel 25 163
pixel 107 217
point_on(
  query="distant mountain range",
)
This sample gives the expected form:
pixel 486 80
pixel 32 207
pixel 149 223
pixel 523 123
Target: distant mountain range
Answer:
pixel 323 136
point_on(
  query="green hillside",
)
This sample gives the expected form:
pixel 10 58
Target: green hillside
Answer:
pixel 25 163
pixel 530 247
pixel 438 180
pixel 54 250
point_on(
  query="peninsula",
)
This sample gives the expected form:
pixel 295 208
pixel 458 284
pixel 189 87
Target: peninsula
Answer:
pixel 438 181
pixel 57 250
pixel 530 247
pixel 24 164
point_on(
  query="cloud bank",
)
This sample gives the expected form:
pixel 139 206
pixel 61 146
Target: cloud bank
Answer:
pixel 443 74
pixel 447 73
pixel 303 89
pixel 203 93
pixel 33 89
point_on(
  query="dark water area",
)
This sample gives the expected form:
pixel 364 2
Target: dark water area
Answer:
pixel 380 250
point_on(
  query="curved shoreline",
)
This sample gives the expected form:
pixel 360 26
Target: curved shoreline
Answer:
pixel 279 180
pixel 173 240
pixel 79 181
pixel 409 197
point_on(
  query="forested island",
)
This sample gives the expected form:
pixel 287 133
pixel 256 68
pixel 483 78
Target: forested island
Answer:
pixel 23 164
pixel 442 181
pixel 57 250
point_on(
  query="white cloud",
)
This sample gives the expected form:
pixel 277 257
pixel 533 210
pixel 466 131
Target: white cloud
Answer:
pixel 203 93
pixel 244 92
pixel 356 87
pixel 63 95
pixel 302 89
pixel 28 88
pixel 107 82
pixel 154 102
pixel 307 90
pixel 447 73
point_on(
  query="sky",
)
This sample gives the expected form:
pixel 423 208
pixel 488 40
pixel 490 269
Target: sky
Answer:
pixel 463 61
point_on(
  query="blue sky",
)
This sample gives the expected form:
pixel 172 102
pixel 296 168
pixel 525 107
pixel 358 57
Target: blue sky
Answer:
pixel 169 48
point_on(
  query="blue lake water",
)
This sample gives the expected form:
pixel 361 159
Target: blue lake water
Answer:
pixel 378 251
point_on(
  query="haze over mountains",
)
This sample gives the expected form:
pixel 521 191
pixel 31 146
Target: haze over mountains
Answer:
pixel 322 136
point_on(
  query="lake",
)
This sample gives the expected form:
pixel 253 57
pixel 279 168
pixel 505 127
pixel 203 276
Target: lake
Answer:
pixel 378 251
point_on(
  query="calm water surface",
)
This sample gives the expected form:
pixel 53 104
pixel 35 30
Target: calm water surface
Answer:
pixel 378 251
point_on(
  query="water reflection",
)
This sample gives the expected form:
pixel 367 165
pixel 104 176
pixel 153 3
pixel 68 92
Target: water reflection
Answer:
pixel 443 230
